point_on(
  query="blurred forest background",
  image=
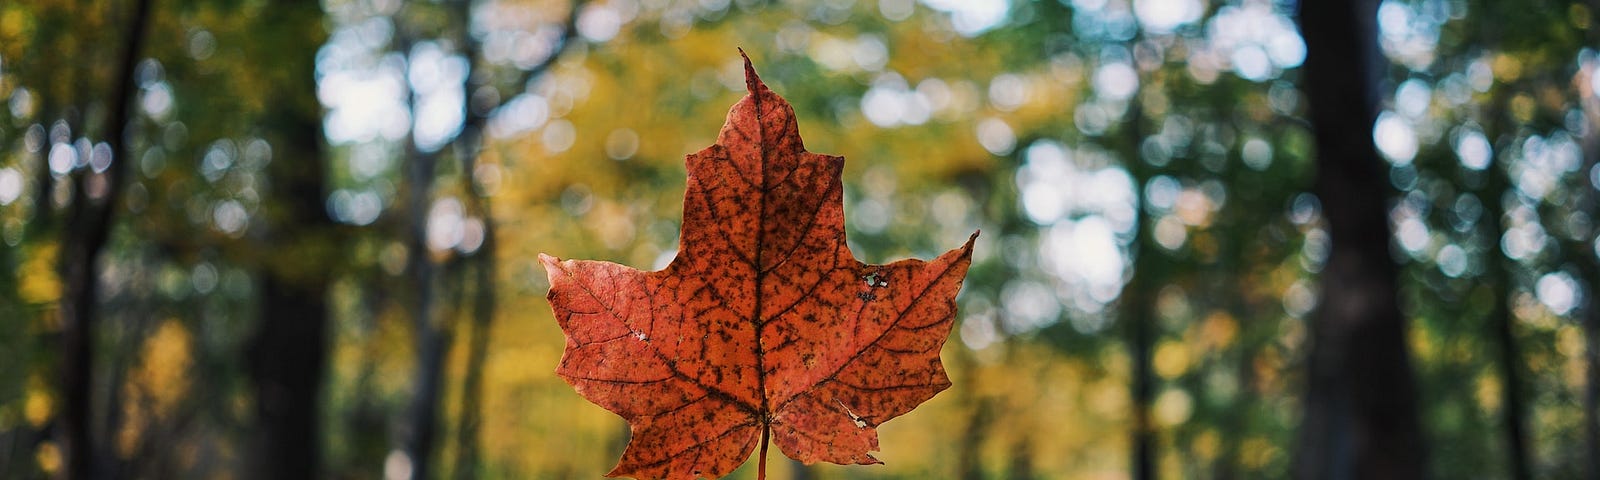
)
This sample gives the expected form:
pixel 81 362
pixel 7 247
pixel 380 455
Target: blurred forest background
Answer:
pixel 1222 238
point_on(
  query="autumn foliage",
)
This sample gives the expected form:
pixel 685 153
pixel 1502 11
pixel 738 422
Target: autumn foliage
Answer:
pixel 765 326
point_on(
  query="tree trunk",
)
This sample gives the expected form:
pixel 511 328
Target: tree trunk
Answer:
pixel 1499 277
pixel 84 238
pixel 969 460
pixel 432 339
pixel 482 262
pixel 482 265
pixel 287 355
pixel 1228 287
pixel 1140 324
pixel 1138 302
pixel 1590 270
pixel 1360 408
pixel 483 308
pixel 1021 467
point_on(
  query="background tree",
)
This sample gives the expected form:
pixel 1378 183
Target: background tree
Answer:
pixel 95 197
pixel 1361 403
pixel 287 355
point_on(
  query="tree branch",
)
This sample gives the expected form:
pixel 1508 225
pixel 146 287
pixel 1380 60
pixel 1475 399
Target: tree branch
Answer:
pixel 83 241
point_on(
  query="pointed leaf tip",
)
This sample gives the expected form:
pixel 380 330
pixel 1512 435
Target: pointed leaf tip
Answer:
pixel 752 82
pixel 551 263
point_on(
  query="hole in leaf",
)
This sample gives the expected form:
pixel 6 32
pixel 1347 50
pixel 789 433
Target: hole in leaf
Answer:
pixel 858 421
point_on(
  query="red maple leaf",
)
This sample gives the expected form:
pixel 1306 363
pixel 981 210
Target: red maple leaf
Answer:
pixel 764 325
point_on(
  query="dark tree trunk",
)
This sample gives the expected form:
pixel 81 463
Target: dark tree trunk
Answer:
pixel 287 356
pixel 84 238
pixel 432 332
pixel 1512 410
pixel 1499 275
pixel 432 338
pixel 1235 421
pixel 1138 303
pixel 1140 324
pixel 1021 467
pixel 482 261
pixel 1590 269
pixel 1360 408
pixel 969 461
pixel 1499 278
pixel 288 362
pixel 483 309
pixel 482 266
pixel 1228 287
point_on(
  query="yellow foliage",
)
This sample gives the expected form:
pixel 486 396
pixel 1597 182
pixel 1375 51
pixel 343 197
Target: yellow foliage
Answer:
pixel 1172 359
pixel 39 282
pixel 1507 67
pixel 1206 445
pixel 1257 451
pixel 1173 407
pixel 1488 392
pixel 48 456
pixel 1218 331
pixel 1422 342
pixel 163 375
pixel 157 384
pixel 38 408
pixel 14 24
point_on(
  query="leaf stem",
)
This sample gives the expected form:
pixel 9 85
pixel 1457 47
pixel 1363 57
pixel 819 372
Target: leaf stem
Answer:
pixel 761 469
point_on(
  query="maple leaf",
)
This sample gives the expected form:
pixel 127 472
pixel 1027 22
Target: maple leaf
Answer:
pixel 764 325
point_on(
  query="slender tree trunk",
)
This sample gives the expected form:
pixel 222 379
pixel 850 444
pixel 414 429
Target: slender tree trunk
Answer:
pixel 1138 301
pixel 432 338
pixel 287 355
pixel 477 353
pixel 1509 361
pixel 1500 275
pixel 1360 408
pixel 483 261
pixel 1021 467
pixel 87 230
pixel 1590 270
pixel 369 422
pixel 483 308
pixel 1231 274
pixel 970 459
pixel 130 337
pixel 1235 420
pixel 1512 410
pixel 1137 297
